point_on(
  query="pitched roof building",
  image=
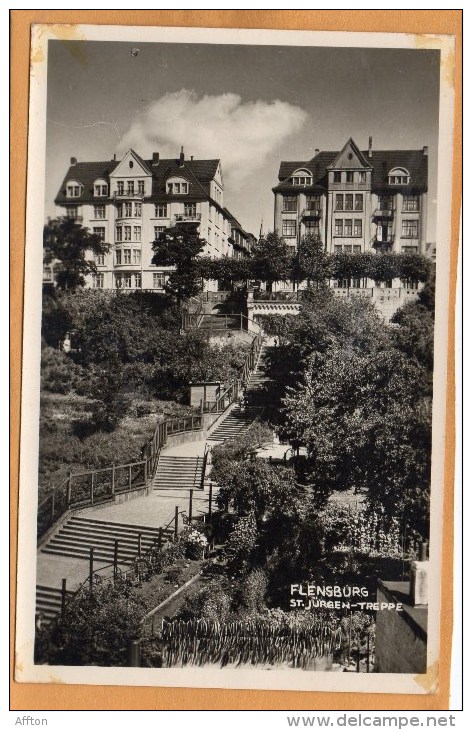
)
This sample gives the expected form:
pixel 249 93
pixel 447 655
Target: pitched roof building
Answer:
pixel 128 202
pixel 355 201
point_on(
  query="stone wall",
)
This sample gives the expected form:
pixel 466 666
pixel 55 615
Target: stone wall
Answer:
pixel 401 636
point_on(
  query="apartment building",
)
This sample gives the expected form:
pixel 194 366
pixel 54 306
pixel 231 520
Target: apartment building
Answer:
pixel 128 203
pixel 355 201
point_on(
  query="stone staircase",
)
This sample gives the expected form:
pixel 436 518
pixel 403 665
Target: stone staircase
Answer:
pixel 49 602
pixel 256 398
pixel 232 424
pixel 76 536
pixel 178 472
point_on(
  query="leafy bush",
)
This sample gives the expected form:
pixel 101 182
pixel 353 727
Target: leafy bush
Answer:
pixel 96 628
pixel 59 374
pixel 213 602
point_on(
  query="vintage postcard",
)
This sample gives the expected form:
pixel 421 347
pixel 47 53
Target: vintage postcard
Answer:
pixel 235 358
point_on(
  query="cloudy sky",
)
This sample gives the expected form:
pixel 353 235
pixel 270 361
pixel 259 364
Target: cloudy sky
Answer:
pixel 250 106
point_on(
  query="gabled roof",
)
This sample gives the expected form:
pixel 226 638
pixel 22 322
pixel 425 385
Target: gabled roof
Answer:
pixel 86 173
pixel 413 160
pixel 199 174
pixel 381 161
pixel 350 143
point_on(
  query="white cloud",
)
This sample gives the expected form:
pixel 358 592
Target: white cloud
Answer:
pixel 242 135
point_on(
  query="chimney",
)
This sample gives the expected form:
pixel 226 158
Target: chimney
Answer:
pixel 155 158
pixel 316 151
pixel 182 157
pixel 191 157
pixel 114 157
pixel 73 161
pixel 370 146
pixel 425 151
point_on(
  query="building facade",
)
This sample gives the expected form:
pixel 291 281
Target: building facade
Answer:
pixel 371 201
pixel 129 202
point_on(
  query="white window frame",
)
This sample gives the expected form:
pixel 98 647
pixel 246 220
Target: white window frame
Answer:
pixel 98 209
pixel 289 224
pixel 100 188
pixel 73 189
pixel 160 210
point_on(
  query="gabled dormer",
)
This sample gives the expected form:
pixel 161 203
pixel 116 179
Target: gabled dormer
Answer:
pixel 350 168
pixel 131 178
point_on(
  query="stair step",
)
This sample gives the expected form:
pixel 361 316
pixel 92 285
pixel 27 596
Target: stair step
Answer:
pixel 102 539
pixel 114 525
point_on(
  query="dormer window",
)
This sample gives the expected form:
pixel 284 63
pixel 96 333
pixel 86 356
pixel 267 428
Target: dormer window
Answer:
pixel 398 176
pixel 177 186
pixel 73 189
pixel 302 177
pixel 100 188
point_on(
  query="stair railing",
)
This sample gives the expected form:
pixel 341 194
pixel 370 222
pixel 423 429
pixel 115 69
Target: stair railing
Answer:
pixel 125 566
pixel 84 489
pixel 205 461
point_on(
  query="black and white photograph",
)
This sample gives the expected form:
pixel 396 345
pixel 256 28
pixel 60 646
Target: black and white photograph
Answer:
pixel 234 376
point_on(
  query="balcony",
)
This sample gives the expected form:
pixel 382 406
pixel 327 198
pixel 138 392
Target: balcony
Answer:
pixel 128 194
pixel 187 217
pixel 314 212
pixel 383 213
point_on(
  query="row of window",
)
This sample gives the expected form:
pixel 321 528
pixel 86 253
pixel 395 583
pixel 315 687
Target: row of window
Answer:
pixel 349 201
pixel 348 227
pixel 134 210
pixel 128 187
pixel 313 202
pixel 128 210
pixel 132 187
pixel 348 248
pixel 356 283
pixel 129 280
pixel 350 176
pixel 123 233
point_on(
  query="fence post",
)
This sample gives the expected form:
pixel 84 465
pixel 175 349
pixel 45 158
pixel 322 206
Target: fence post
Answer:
pixel 368 653
pixel 190 506
pixel 91 489
pixel 115 561
pixel 113 480
pixel 176 525
pixel 159 539
pixel 69 489
pixel 129 478
pixel 63 597
pixel 139 545
pixel 91 570
pixel 134 653
pixel 53 503
pixel 210 497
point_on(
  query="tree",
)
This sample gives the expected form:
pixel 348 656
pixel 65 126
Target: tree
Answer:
pixel 311 262
pixel 225 270
pixel 178 247
pixel 366 422
pixel 271 259
pixel 68 242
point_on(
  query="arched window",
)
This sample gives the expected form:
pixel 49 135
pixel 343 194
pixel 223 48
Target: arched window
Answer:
pixel 302 177
pixel 177 186
pixel 398 176
pixel 100 188
pixel 73 189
